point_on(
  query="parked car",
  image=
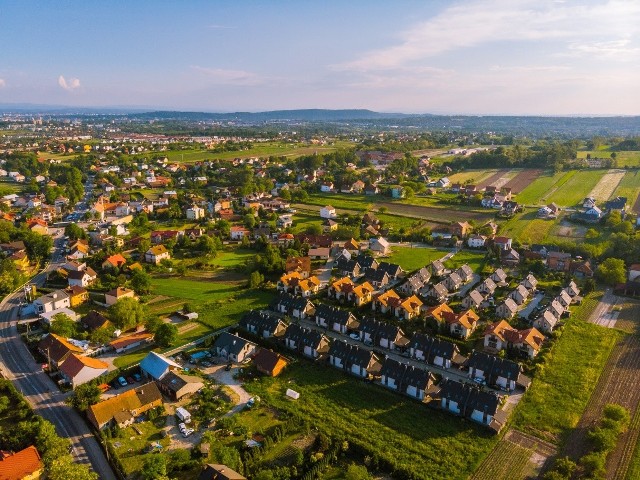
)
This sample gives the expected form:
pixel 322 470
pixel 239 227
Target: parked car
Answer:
pixel 130 380
pixel 122 381
pixel 354 336
pixel 137 377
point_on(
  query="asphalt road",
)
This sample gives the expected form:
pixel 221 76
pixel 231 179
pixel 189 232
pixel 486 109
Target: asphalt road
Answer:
pixel 18 365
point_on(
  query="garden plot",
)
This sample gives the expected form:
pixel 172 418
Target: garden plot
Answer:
pixel 505 178
pixel 607 185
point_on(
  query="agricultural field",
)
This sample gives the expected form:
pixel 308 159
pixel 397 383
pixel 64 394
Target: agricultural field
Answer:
pixel 536 190
pixel 630 187
pixel 471 176
pixel 607 185
pixel 492 179
pixel 399 431
pixel 506 462
pixel 522 180
pixel 576 188
pixel 441 214
pixel 414 258
pixel 8 187
pixel 565 378
pixel 623 159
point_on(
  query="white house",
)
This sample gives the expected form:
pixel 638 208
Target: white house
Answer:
pixel 328 212
pixel 53 301
pixel 77 369
pixel 476 241
pixel 195 213
pixel 379 245
pixel 156 254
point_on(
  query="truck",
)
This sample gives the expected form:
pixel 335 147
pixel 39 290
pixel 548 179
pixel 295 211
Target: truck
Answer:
pixel 183 415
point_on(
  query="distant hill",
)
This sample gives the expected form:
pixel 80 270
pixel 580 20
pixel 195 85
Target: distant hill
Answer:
pixel 304 115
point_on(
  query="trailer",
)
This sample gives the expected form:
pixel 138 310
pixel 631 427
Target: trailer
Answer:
pixel 183 415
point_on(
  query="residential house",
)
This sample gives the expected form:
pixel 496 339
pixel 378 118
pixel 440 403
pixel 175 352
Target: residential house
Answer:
pixel 320 253
pixel 371 189
pixel 177 385
pixel 476 241
pixel 409 308
pixel 308 286
pixel 397 192
pixel 498 277
pixel 558 261
pixel 336 319
pixel 392 373
pixel 417 381
pixel 76 369
pixel 157 254
pixel 77 295
pixel 329 225
pixel 437 313
pixel 500 336
pixel 392 269
pixel 465 273
pixel 25 464
pixel 348 268
pixel 556 308
pixel 380 245
pixel 437 268
pixel 589 202
pixel 112 296
pixel 469 402
pixel 195 213
pixel 369 330
pixel 296 307
pixel 415 283
pixel 154 366
pixel 519 295
pixel 503 243
pixel 328 212
pixel 487 287
pixel 507 309
pixel 233 348
pixel 214 471
pixel 130 342
pixel 546 321
pixel 52 301
pixel 494 371
pixel 288 282
pixel 391 337
pixel 114 261
pixel 634 272
pixel 473 299
pixel 438 292
pixel 564 299
pixel 239 232
pixel 56 349
pixel 378 278
pixel 386 301
pixel 572 289
pixel 592 215
pixel 94 320
pixel 618 204
pixel 367 261
pixel 530 282
pixel 163 236
pixel 269 362
pixel 263 324
pixel 509 257
pixel 581 269
pixel 452 282
pixel 302 265
pixel 122 409
pixel 326 187
pixel 461 324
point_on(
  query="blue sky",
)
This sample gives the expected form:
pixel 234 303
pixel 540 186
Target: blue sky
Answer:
pixel 476 56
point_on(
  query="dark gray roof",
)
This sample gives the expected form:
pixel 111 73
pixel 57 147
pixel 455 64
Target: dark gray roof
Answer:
pixel 231 343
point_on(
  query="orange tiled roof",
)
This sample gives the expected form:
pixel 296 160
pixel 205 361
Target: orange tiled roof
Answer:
pixel 21 464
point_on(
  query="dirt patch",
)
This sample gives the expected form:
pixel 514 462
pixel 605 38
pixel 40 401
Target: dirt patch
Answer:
pixel 522 180
pixel 437 215
pixel 492 179
pixel 569 230
pixel 607 185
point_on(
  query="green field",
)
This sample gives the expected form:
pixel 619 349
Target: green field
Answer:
pixel 231 258
pixel 623 159
pixel 400 431
pixel 265 149
pixel 629 187
pixel 527 228
pixel 506 462
pixel 475 260
pixel 562 387
pixel 576 188
pixel 414 258
pixel 538 188
pixel 471 176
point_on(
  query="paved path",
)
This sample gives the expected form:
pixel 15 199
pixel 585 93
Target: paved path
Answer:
pixel 324 273
pixel 223 377
pixel 524 313
pixel 603 314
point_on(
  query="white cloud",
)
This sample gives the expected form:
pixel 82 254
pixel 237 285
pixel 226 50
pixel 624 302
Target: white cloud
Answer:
pixel 69 85
pixel 216 26
pixel 2 83
pixel 223 76
pixel 474 24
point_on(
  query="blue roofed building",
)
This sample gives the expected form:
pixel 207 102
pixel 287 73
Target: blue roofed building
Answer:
pixel 155 366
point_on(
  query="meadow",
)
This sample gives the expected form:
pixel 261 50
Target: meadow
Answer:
pixel 471 176
pixel 575 188
pixel 407 436
pixel 414 258
pixel 567 377
pixel 506 462
pixel 623 159
pixel 527 228
pixel 629 187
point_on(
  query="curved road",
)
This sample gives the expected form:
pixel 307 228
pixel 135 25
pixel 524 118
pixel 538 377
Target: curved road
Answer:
pixel 18 365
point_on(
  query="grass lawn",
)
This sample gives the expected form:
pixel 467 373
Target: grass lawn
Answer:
pixel 527 228
pixel 414 258
pixel 129 439
pixel 538 188
pixel 562 387
pixel 576 188
pixel 400 431
pixel 475 260
pixel 217 304
pixel 471 176
pixel 345 201
pixel 231 258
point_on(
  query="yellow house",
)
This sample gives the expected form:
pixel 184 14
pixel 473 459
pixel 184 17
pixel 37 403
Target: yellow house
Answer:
pixel 25 465
pixel 20 260
pixel 77 295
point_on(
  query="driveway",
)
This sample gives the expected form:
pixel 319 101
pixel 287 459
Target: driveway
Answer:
pixel 524 313
pixel 223 377
pixel 324 273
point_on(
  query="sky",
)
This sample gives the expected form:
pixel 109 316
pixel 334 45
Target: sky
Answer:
pixel 514 57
